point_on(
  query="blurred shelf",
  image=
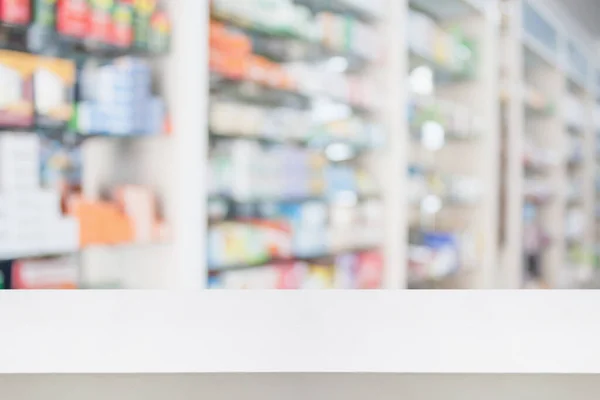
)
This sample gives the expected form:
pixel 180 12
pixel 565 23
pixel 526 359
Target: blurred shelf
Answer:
pixel 442 73
pixel 447 204
pixel 438 282
pixel 291 259
pixel 262 94
pixel 352 149
pixel 125 246
pixel 342 7
pixel 536 54
pixel 449 9
pixel 33 39
pixel 18 255
pixel 450 136
pixel 539 200
pixel 255 27
pixel 238 210
pixel 288 49
pixel 65 136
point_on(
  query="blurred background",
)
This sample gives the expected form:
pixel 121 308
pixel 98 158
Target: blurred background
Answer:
pixel 299 144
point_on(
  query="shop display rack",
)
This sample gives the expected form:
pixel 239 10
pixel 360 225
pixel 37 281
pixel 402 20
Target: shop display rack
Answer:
pixel 310 120
pixel 70 174
pixel 334 144
pixel 451 59
pixel 547 198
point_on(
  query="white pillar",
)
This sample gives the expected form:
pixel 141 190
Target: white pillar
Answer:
pixel 186 90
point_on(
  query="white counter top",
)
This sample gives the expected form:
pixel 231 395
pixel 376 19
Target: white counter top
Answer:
pixel 378 332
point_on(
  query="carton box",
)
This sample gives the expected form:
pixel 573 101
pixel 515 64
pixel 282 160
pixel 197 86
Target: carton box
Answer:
pixel 54 81
pixel 15 12
pixel 16 81
pixel 19 162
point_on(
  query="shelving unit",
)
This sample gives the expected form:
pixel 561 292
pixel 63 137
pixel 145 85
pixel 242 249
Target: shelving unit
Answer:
pixel 357 144
pixel 453 50
pixel 111 132
pixel 295 194
pixel 548 166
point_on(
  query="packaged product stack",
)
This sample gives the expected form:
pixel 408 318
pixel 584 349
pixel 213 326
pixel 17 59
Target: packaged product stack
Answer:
pixel 129 217
pixel 39 274
pixel 244 171
pixel 287 175
pixel 36 90
pixel 434 255
pixel 458 121
pixel 347 271
pixel 108 24
pixel 31 219
pixel 117 100
pixel 449 50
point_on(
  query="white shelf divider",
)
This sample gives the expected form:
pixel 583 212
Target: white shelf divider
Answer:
pixel 394 166
pixel 187 80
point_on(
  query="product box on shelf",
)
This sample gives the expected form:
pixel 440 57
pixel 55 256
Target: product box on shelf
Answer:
pixel 309 227
pixel 151 27
pixel 41 35
pixel 15 12
pixel 141 22
pixel 61 165
pixel 44 13
pixel 319 276
pixel 23 237
pixel 139 204
pixel 72 17
pixel 100 23
pixel 159 39
pixel 54 81
pixel 34 204
pixel 291 275
pixel 5 274
pixel 129 217
pixel 370 271
pixel 122 26
pixel 277 18
pixel 57 273
pixel 117 100
pixel 16 96
pixel 247 243
pixel 19 161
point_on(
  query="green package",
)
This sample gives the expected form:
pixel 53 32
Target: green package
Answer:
pixel 44 13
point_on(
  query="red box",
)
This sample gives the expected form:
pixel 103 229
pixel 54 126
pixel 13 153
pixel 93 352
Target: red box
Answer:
pixel 15 12
pixel 72 18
